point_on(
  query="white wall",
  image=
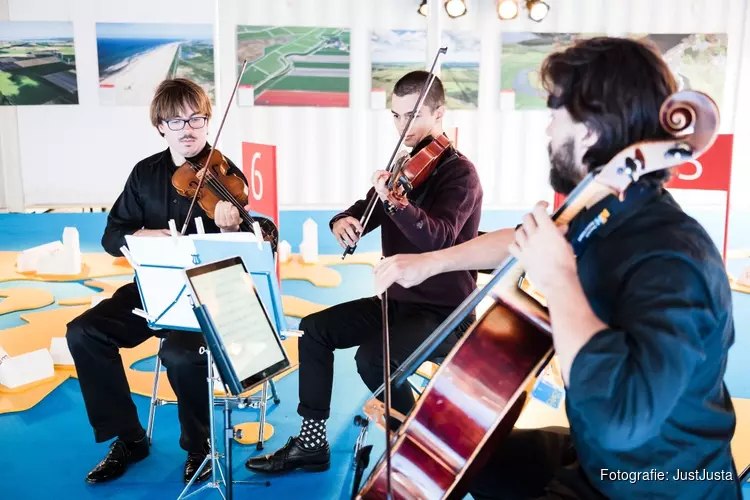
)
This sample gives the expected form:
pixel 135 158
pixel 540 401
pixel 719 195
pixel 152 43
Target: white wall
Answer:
pixel 70 155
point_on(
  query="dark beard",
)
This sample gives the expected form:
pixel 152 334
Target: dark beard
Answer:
pixel 563 176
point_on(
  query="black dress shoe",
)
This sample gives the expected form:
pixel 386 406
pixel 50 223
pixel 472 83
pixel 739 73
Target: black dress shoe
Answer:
pixel 194 460
pixel 114 465
pixel 290 457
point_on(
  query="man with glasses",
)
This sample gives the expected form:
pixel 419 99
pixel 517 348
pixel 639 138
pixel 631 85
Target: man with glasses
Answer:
pixel 180 111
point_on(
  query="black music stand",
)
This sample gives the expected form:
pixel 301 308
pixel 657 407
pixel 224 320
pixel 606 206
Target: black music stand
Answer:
pixel 216 353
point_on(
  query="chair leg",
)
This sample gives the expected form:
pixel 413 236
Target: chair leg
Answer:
pixel 154 398
pixel 275 395
pixel 363 422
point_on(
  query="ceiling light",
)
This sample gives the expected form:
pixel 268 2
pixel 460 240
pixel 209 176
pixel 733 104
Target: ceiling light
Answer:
pixel 537 10
pixel 455 8
pixel 507 9
pixel 423 8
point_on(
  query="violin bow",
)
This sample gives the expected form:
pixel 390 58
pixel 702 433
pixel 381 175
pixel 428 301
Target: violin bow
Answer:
pixel 211 152
pixel 417 106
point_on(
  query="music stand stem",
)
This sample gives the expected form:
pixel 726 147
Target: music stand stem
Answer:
pixel 213 456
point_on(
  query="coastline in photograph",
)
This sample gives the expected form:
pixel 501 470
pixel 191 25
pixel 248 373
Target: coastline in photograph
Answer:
pixel 293 66
pixel 395 53
pixel 135 57
pixel 37 63
pixel 459 70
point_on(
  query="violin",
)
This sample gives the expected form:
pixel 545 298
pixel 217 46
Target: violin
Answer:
pixel 401 182
pixel 477 394
pixel 217 183
pixel 410 173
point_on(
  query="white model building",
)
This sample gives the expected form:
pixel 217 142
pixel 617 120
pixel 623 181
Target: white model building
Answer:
pixel 58 258
pixel 309 246
pixel 285 252
pixel 25 368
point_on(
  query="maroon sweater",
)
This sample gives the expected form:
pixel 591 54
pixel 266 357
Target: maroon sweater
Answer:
pixel 448 214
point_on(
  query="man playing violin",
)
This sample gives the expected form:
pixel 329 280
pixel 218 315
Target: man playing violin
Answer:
pixel 180 111
pixel 442 212
pixel 640 309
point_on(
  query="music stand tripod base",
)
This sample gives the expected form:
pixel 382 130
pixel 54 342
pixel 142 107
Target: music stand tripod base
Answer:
pixel 221 473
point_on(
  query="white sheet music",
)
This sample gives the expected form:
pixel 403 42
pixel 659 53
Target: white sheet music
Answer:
pixel 240 321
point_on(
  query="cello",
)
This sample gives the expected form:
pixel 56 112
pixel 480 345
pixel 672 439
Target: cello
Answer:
pixel 474 399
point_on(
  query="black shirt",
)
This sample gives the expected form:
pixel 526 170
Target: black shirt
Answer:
pixel 648 392
pixel 443 211
pixel 149 201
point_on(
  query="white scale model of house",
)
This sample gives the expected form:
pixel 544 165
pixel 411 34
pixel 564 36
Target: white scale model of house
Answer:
pixel 55 258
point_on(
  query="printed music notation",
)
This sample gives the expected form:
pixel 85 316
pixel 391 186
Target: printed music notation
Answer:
pixel 239 318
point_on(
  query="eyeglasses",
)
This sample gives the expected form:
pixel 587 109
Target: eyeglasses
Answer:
pixel 179 124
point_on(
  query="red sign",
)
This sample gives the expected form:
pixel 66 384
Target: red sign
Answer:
pixel 259 167
pixel 712 171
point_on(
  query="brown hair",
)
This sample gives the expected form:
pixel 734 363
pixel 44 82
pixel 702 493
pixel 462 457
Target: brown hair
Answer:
pixel 412 83
pixel 172 95
pixel 616 87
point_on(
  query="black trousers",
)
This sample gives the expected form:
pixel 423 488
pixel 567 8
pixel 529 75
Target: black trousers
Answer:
pixel 95 338
pixel 359 323
pixel 534 464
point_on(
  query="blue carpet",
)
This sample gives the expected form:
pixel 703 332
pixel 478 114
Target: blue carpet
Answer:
pixel 48 450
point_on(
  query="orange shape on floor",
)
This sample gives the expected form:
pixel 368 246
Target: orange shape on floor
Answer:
pixel 366 258
pixel 299 308
pixel 95 265
pixel 251 432
pixel 316 273
pixel 23 299
pixel 108 288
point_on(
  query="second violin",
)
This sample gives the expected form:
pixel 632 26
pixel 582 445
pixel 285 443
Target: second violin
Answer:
pixel 411 172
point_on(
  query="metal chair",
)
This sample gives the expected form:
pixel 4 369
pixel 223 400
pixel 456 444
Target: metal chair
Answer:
pixel 241 401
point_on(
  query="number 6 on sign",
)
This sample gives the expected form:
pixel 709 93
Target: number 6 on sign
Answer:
pixel 253 174
pixel 259 167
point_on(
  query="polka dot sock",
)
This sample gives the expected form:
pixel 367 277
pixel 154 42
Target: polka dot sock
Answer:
pixel 313 434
